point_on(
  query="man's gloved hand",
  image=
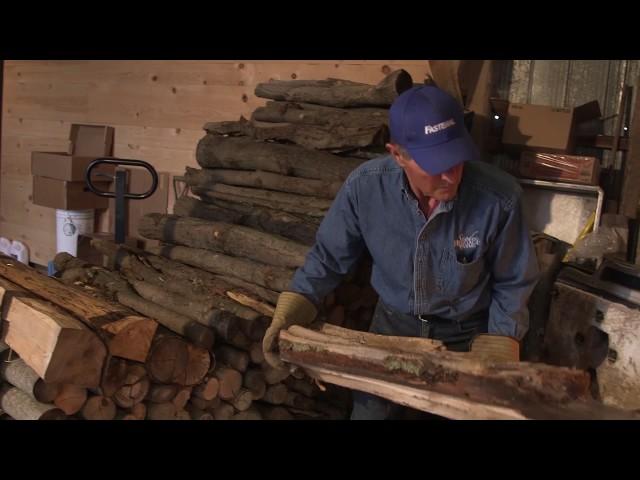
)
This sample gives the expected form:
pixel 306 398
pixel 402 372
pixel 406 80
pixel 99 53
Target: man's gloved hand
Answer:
pixel 292 309
pixel 495 348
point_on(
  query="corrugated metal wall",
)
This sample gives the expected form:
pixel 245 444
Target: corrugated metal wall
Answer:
pixel 565 83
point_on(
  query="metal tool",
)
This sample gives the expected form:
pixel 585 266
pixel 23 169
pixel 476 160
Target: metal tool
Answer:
pixel 120 192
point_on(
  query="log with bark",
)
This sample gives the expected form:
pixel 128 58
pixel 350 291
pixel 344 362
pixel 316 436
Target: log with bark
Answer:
pixel 58 347
pixel 208 177
pixel 242 153
pixel 224 411
pixel 22 376
pixel 134 389
pixel 299 228
pixel 233 357
pixel 208 389
pixel 310 114
pixel 71 398
pixel 174 360
pixel 126 335
pixel 255 197
pixel 243 400
pixel 99 407
pixel 268 276
pixel 198 414
pixel 420 373
pixel 230 382
pixel 225 293
pixel 338 93
pixel 160 393
pixel 321 137
pixel 271 412
pixel 22 406
pixel 275 394
pixel 196 332
pixel 254 381
pixel 225 238
pixel 250 414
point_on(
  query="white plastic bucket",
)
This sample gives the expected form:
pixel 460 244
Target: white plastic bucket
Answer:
pixel 5 246
pixel 20 251
pixel 70 224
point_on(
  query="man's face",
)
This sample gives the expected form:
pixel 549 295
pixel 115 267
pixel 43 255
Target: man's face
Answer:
pixel 442 187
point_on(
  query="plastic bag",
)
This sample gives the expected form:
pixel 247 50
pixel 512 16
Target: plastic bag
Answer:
pixel 592 248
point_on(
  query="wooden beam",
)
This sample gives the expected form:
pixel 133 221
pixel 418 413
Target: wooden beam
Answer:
pixel 631 179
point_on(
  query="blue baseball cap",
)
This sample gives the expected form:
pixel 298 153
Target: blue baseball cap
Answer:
pixel 429 124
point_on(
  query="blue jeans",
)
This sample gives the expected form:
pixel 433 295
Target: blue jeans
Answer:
pixel 456 336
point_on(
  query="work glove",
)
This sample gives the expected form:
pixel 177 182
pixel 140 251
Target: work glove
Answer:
pixel 291 309
pixel 495 348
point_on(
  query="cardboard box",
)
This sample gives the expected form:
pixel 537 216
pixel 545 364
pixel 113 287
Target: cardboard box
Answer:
pixel 560 168
pixel 545 129
pixel 54 193
pixel 88 142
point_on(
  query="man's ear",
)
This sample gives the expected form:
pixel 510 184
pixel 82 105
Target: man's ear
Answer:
pixel 393 150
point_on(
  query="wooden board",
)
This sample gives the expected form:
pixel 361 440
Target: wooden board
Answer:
pixel 158 109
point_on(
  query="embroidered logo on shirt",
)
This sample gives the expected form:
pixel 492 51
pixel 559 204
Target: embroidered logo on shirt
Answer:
pixel 464 242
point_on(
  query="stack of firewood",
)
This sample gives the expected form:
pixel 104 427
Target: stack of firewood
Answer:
pixel 175 332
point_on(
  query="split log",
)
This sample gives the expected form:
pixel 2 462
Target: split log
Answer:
pixel 187 327
pixel 159 393
pixel 224 411
pixel 243 400
pixel 208 177
pixel 135 387
pixel 338 93
pixel 21 406
pixel 208 389
pixel 223 237
pixel 270 412
pixel 236 359
pixel 447 383
pixel 128 336
pixel 99 408
pixel 182 398
pixel 299 228
pixel 198 414
pixel 58 347
pixel 242 153
pixel 286 202
pixel 173 360
pixel 250 414
pixel 254 381
pixel 113 378
pixel 252 303
pixel 267 276
pixel 71 399
pixel 230 382
pixel 275 394
pixel 310 114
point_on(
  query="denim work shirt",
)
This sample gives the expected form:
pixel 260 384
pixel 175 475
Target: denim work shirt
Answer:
pixel 474 252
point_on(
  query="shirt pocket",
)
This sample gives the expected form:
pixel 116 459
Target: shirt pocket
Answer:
pixel 462 278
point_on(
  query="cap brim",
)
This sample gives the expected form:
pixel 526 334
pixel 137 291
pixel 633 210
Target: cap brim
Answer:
pixel 439 158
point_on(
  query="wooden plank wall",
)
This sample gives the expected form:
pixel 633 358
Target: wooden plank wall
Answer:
pixel 158 109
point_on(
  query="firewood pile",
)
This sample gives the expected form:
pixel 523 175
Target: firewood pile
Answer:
pixel 175 331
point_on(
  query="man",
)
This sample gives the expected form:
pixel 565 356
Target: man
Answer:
pixel 452 255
